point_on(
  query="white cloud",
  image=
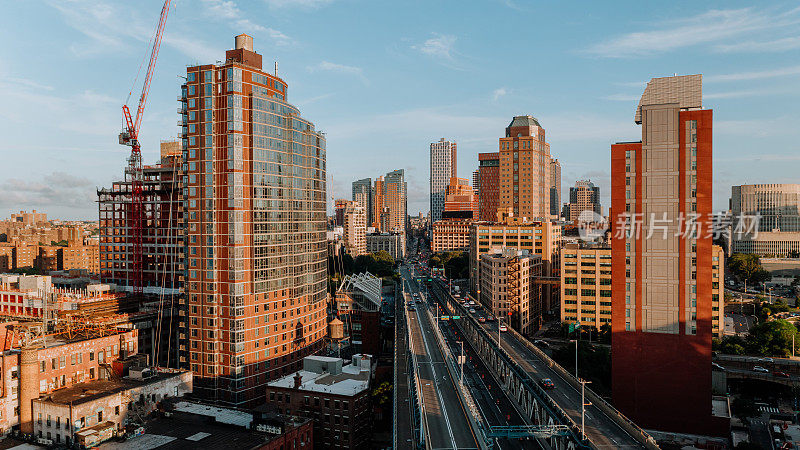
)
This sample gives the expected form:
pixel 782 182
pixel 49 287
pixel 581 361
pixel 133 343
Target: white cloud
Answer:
pixel 328 66
pixel 500 92
pixel 710 27
pixel 756 75
pixel 228 10
pixel 440 46
pixel 299 4
pixel 773 46
pixel 56 189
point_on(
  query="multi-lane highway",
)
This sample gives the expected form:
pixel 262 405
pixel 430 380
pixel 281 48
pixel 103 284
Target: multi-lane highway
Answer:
pixel 445 419
pixel 599 428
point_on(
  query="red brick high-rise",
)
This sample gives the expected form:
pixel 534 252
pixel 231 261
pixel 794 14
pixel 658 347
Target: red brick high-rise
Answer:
pixel 256 254
pixel 488 185
pixel 662 283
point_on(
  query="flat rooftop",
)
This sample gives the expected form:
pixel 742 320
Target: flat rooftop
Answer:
pixel 353 380
pixel 93 390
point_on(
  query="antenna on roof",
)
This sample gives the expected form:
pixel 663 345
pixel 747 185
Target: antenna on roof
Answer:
pixel 276 68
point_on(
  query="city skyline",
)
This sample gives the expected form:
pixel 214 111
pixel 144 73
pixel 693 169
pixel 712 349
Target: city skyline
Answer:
pixel 600 73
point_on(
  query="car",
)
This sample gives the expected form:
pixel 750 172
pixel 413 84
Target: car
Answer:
pixel 472 310
pixel 766 360
pixel 490 318
pixel 547 383
pixel 411 308
pixel 780 374
pixel 760 369
pixel 541 343
pixel 503 328
pixel 482 319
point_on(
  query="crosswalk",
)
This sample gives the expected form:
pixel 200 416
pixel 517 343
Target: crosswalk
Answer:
pixel 768 409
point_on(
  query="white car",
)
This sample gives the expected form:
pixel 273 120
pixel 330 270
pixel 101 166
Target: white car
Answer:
pixel 760 369
pixel 472 310
pixel 503 328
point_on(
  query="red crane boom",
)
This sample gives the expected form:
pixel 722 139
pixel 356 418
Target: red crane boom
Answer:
pixel 130 137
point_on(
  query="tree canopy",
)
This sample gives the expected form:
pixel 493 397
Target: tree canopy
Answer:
pixel 747 267
pixel 772 338
pixel 456 264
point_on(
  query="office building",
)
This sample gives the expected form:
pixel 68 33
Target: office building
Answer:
pixel 488 186
pixel 354 228
pixel 443 168
pixel 508 287
pixel 661 314
pixel 378 204
pixel 555 188
pixel 460 200
pixel 460 211
pixel 450 235
pixel 392 242
pixel 395 201
pixel 525 169
pixel 334 394
pixel 362 193
pixel 586 285
pixel 535 237
pixel 585 196
pixel 256 253
pixel 777 207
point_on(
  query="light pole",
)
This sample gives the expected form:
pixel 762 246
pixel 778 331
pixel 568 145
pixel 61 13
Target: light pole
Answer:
pixel 462 363
pixel 576 356
pixel 583 407
pixel 499 323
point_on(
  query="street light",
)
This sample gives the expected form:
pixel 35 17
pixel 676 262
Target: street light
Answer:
pixel 576 356
pixel 461 380
pixel 583 407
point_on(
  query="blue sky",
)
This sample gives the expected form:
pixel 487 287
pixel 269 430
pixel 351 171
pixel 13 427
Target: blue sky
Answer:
pixel 383 79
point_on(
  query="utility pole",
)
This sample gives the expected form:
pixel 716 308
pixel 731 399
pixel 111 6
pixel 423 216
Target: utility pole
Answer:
pixel 499 322
pixel 462 362
pixel 576 356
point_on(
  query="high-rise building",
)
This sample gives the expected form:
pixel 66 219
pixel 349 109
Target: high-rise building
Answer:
pixel 488 185
pixel 460 210
pixel 460 200
pixel 339 206
pixel 163 227
pixel 443 168
pixel 396 200
pixel 256 254
pixel 362 193
pixel 354 226
pixel 777 208
pixel 661 268
pixel 585 196
pixel 378 203
pixel 555 188
pixel 524 169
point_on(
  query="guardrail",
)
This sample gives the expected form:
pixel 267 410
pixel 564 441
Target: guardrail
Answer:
pixel 416 394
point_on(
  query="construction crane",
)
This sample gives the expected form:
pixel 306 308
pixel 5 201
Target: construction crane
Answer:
pixel 130 137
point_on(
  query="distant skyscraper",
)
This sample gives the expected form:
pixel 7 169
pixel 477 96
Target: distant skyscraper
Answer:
pixel 661 270
pixel 460 200
pixel 778 209
pixel 524 169
pixel 362 193
pixel 395 199
pixel 488 186
pixel 354 228
pixel 443 167
pixel 378 203
pixel 555 188
pixel 585 196
pixel 256 253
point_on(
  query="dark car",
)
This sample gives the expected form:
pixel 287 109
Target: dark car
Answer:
pixel 482 319
pixel 780 374
pixel 547 383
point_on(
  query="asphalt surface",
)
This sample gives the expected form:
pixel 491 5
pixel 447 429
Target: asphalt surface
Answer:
pixel 445 418
pixel 599 428
pixel 403 415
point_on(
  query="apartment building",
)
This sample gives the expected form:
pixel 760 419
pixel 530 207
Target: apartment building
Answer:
pixel 508 287
pixel 443 164
pixel 362 193
pixel 393 243
pixel 584 196
pixel 555 188
pixel 488 185
pixel 586 285
pixel 256 259
pixel 354 225
pixel 450 235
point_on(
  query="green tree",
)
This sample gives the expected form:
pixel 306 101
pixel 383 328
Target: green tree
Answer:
pixel 747 267
pixel 773 338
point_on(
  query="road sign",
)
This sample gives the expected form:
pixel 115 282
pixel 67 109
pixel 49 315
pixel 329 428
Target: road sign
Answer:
pixel 444 317
pixel 456 317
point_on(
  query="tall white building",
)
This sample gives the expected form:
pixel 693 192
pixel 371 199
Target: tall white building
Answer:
pixel 443 167
pixel 355 228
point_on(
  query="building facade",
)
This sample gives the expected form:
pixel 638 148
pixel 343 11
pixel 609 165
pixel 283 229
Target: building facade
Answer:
pixel 460 200
pixel 255 208
pixel 661 270
pixel 585 196
pixel 488 185
pixel 525 169
pixel 443 168
pixel 537 238
pixel 450 235
pixel 555 188
pixel 355 228
pixel 777 207
pixel 362 193
pixel 393 243
pixel 586 285
pixel 395 199
pixel 508 287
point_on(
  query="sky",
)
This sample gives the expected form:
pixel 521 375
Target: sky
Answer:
pixel 384 79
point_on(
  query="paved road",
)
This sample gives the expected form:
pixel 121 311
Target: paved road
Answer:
pixel 444 416
pixel 603 431
pixel 403 415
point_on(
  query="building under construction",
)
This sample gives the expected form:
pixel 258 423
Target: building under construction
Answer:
pixel 162 227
